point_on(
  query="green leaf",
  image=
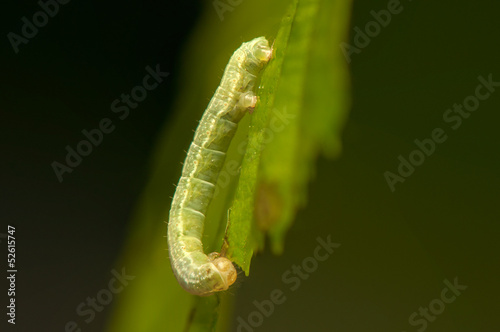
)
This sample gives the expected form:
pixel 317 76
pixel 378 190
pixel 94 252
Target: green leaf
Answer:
pixel 243 238
pixel 303 101
pixel 313 93
pixel 303 104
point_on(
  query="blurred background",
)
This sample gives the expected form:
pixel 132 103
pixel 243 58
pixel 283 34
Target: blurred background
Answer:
pixel 397 247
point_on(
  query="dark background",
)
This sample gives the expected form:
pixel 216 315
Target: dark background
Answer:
pixel 63 81
pixel 397 248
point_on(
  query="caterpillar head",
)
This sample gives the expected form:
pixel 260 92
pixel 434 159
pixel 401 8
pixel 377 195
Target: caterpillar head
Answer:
pixel 260 49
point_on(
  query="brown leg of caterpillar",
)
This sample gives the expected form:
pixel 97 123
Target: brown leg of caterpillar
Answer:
pixel 248 100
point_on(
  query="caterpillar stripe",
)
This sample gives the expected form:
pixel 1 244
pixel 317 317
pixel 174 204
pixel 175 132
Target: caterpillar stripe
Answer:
pixel 196 272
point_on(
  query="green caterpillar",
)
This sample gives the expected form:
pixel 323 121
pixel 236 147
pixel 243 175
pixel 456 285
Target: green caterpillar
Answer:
pixel 196 272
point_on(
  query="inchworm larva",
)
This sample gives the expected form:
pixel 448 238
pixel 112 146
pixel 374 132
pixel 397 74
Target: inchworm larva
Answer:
pixel 198 273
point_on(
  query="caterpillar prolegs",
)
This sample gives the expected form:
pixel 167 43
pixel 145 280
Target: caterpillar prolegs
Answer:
pixel 196 272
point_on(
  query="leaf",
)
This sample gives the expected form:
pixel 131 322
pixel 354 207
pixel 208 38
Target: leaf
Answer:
pixel 303 104
pixel 302 107
pixel 313 100
pixel 243 238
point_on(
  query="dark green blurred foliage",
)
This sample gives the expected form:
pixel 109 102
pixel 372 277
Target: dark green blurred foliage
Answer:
pixel 397 247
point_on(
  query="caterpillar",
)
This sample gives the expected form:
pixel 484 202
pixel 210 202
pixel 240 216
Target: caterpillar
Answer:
pixel 196 272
